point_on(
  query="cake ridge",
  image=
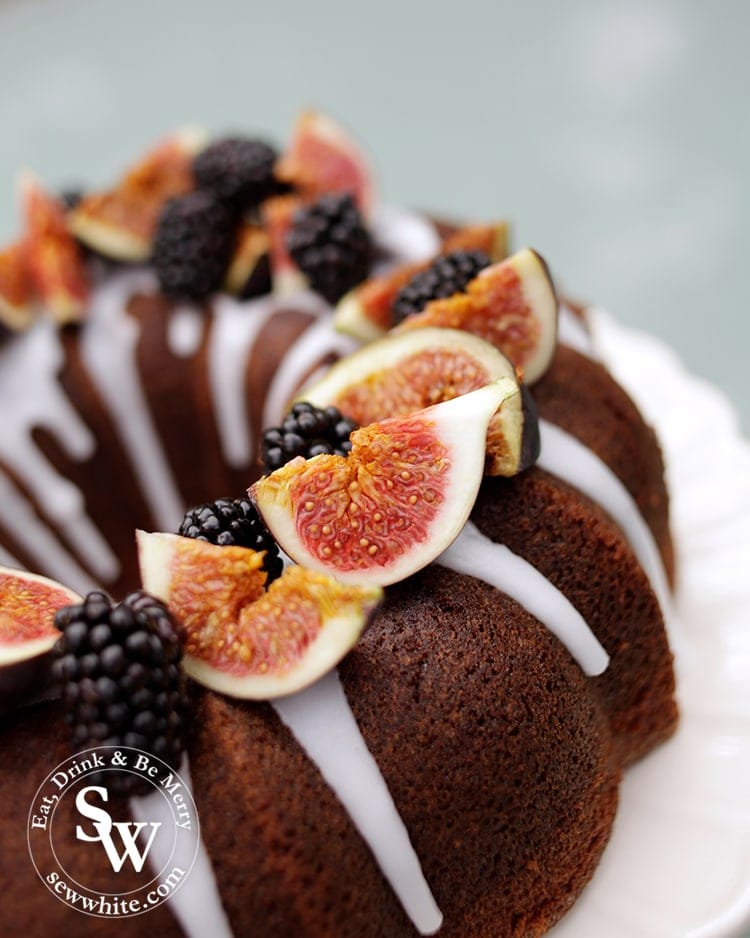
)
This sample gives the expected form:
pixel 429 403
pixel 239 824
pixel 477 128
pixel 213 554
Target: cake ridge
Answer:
pixel 475 554
pixel 564 456
pixel 346 763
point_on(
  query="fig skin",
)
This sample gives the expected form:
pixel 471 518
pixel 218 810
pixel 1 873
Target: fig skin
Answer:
pixel 531 441
pixel 512 304
pixel 403 371
pixel 348 516
pixel 242 640
pixel 25 666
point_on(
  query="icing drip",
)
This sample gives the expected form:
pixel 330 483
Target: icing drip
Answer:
pixel 185 331
pixel 567 458
pixel 196 904
pixel 20 519
pixel 37 359
pixel 318 341
pixel 476 555
pixel 322 722
pixel 233 333
pixel 572 331
pixel 108 345
pixel 408 237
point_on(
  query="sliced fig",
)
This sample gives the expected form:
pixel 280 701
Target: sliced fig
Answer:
pixel 55 261
pixel 492 239
pixel 120 222
pixel 249 271
pixel 277 214
pixel 27 632
pixel 512 304
pixel 401 373
pixel 16 288
pixel 395 502
pixel 366 312
pixel 323 158
pixel 242 640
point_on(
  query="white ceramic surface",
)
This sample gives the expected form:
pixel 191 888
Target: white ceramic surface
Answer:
pixel 678 863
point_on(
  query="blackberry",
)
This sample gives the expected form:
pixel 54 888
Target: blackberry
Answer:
pixel 118 667
pixel 307 431
pixel 233 521
pixel 237 170
pixel 193 245
pixel 330 244
pixel 446 275
pixel 70 198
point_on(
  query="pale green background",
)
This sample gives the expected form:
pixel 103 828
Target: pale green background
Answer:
pixel 615 135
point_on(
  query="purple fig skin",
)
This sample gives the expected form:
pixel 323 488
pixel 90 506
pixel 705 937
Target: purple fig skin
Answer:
pixel 27 682
pixel 531 443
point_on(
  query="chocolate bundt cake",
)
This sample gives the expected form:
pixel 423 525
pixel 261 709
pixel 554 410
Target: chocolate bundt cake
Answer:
pixel 458 771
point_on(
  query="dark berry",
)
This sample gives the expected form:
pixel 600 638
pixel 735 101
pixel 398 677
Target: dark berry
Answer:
pixel 70 198
pixel 330 244
pixel 233 522
pixel 193 245
pixel 446 275
pixel 307 431
pixel 116 686
pixel 237 170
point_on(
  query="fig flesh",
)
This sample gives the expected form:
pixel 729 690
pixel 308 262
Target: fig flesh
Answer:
pixel 55 261
pixel 402 373
pixel 27 632
pixel 366 312
pixel 245 641
pixel 512 304
pixel 16 288
pixel 276 214
pixel 395 503
pixel 120 223
pixel 323 158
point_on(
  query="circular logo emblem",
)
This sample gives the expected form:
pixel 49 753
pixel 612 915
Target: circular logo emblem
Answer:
pixel 105 855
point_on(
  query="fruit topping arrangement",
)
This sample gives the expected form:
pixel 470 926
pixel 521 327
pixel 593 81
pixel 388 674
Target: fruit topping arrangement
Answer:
pixel 230 214
pixel 370 477
pixel 395 502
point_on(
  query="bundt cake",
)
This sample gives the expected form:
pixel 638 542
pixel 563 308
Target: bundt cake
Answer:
pixel 457 772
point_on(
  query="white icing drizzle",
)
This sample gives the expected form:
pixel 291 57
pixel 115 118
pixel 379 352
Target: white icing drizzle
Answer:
pixel 567 458
pixel 20 519
pixel 409 237
pixel 185 329
pixel 233 332
pixel 322 722
pixel 196 904
pixel 28 382
pixel 319 340
pixel 572 331
pixel 474 554
pixel 108 346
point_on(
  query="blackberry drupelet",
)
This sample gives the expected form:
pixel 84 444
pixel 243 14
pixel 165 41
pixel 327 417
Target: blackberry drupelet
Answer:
pixel 193 245
pixel 307 431
pixel 238 170
pixel 330 244
pixel 70 198
pixel 233 521
pixel 446 275
pixel 118 667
